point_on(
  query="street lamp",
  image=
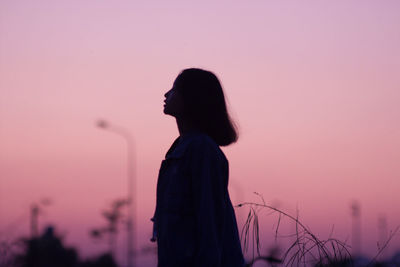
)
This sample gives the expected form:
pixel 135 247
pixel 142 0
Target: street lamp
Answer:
pixel 103 124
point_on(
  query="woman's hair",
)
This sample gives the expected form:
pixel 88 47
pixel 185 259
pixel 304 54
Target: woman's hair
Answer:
pixel 204 105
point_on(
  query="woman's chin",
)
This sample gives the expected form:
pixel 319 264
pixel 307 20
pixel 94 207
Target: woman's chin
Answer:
pixel 166 111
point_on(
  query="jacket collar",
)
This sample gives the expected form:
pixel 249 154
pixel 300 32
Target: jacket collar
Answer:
pixel 178 148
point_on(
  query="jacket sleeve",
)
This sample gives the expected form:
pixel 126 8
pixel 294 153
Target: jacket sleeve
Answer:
pixel 208 172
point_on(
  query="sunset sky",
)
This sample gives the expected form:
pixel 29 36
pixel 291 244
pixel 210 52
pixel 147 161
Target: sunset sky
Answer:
pixel 314 87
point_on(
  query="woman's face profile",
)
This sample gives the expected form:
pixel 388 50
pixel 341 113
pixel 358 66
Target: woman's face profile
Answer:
pixel 173 102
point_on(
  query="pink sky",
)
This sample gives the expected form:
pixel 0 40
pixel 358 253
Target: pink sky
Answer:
pixel 313 86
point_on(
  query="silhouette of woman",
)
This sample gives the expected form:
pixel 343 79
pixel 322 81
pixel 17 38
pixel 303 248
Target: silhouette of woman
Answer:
pixel 194 221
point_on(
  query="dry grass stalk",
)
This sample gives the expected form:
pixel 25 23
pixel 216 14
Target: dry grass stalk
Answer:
pixel 306 250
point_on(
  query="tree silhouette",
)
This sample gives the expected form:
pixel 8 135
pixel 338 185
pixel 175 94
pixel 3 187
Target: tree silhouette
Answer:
pixel 46 251
pixel 113 216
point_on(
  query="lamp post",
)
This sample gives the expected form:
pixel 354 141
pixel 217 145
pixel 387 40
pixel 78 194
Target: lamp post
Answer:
pixel 131 198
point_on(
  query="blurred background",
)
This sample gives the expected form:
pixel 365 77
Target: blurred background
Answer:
pixel 312 85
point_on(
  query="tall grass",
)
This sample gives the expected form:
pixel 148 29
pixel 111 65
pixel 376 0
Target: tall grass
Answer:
pixel 306 250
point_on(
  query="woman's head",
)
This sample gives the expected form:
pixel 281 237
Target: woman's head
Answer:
pixel 197 98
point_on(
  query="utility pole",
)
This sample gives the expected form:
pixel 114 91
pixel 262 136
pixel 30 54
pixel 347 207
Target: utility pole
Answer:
pixel 383 234
pixel 356 228
pixel 35 210
pixel 34 214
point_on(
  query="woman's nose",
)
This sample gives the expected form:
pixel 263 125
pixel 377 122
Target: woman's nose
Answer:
pixel 167 93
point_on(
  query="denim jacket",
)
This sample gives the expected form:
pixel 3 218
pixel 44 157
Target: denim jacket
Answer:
pixel 194 221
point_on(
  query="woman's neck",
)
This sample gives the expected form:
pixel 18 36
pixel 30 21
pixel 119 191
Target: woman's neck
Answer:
pixel 184 127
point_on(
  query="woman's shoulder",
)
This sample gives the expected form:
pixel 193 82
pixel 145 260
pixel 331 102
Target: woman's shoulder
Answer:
pixel 201 143
pixel 201 140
